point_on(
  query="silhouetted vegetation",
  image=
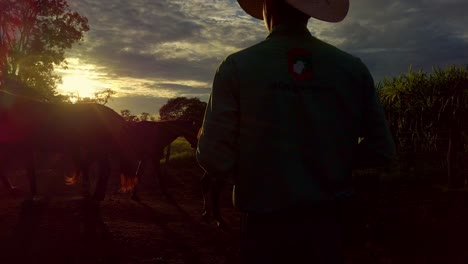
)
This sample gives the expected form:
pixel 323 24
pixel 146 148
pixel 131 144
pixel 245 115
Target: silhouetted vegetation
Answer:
pixel 129 116
pixel 427 114
pixel 182 108
pixel 178 108
pixel 34 35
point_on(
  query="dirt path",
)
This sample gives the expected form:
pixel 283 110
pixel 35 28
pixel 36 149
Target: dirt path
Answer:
pixel 62 227
pixel 404 225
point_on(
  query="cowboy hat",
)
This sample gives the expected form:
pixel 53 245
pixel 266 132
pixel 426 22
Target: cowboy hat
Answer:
pixel 325 10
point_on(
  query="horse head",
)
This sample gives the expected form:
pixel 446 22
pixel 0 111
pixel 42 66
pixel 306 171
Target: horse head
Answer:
pixel 189 130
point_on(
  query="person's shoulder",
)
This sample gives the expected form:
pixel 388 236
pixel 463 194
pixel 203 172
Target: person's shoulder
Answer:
pixel 337 54
pixel 344 60
pixel 249 53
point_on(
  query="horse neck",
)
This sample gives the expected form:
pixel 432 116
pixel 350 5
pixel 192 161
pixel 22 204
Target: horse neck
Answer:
pixel 168 131
pixel 167 136
pixel 192 140
pixel 22 105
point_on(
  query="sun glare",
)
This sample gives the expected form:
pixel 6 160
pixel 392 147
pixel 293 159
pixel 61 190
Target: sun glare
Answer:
pixel 78 85
pixel 81 80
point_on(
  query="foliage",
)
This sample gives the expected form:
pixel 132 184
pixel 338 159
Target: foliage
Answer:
pixel 183 108
pixel 144 116
pixel 181 153
pixel 422 105
pixel 34 35
pixel 102 97
pixel 127 115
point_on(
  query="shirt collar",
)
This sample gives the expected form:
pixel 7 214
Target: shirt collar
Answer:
pixel 289 31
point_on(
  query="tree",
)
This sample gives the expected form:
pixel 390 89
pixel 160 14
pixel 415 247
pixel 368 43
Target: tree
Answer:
pixel 182 108
pixel 127 115
pixel 101 97
pixel 34 35
pixel 104 96
pixel 145 116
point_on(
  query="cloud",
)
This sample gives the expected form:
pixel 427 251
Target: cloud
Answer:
pixel 178 40
pixel 137 104
pixel 391 35
pixel 152 50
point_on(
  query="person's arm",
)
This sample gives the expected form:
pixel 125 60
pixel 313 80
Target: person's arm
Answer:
pixel 377 148
pixel 218 145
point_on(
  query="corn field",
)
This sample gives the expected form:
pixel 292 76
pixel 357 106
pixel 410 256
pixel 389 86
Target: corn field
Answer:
pixel 427 113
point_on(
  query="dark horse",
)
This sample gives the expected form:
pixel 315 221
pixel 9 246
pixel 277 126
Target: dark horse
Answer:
pixel 148 141
pixel 88 132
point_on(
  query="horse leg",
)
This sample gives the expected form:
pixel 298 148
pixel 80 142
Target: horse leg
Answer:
pixel 104 172
pixel 160 177
pixel 83 168
pixel 6 181
pixel 4 178
pixel 138 174
pixel 31 174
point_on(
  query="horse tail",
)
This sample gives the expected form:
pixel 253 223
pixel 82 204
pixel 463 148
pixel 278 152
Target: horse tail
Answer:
pixel 127 183
pixel 128 177
pixel 72 177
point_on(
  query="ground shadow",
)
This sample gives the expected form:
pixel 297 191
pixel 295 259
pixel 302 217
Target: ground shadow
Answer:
pixel 189 254
pixel 73 233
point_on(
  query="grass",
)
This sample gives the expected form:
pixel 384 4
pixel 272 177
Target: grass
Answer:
pixel 181 153
pixel 180 145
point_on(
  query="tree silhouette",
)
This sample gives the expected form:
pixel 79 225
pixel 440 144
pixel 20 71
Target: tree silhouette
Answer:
pixel 127 115
pixel 182 108
pixel 144 116
pixel 102 97
pixel 34 35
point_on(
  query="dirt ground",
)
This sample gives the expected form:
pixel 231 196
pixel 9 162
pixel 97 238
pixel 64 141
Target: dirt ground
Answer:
pixel 405 224
pixel 62 227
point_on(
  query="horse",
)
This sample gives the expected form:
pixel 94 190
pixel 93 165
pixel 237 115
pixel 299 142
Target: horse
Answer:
pixel 87 131
pixel 148 141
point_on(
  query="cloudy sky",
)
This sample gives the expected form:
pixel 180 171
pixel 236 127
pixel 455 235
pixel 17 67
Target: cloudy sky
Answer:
pixel 151 50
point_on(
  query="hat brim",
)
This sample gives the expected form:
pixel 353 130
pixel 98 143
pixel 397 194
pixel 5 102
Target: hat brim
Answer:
pixel 252 7
pixel 329 11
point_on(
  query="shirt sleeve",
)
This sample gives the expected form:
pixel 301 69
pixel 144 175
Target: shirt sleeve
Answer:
pixel 218 146
pixel 377 149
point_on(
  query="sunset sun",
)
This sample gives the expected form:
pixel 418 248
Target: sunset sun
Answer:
pixel 81 80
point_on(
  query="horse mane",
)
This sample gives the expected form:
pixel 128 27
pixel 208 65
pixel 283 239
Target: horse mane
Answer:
pixel 165 125
pixel 28 98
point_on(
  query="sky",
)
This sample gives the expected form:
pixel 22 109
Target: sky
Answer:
pixel 149 51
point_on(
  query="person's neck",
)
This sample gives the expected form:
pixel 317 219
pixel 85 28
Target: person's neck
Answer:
pixel 288 19
pixel 290 23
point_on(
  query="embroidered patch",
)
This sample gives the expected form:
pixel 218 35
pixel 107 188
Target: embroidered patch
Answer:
pixel 299 65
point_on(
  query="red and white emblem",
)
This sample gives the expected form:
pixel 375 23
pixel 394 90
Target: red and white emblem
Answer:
pixel 299 65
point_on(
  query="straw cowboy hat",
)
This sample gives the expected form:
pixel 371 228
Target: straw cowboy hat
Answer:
pixel 325 10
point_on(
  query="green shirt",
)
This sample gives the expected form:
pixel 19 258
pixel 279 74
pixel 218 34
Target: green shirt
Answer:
pixel 283 121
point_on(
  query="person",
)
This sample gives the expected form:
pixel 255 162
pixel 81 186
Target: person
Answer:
pixel 283 120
